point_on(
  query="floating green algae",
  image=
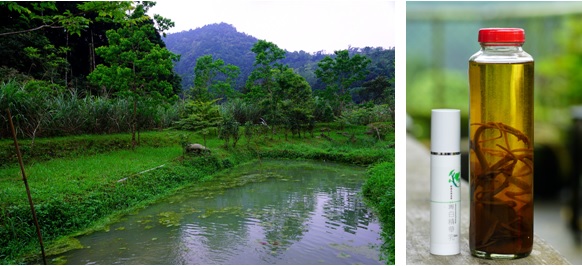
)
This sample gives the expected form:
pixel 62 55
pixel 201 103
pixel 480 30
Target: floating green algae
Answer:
pixel 63 245
pixel 169 219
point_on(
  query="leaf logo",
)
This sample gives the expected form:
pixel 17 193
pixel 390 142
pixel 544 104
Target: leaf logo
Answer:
pixel 455 178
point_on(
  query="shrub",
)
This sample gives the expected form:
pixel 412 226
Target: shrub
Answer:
pixel 380 130
pixel 366 114
pixel 198 115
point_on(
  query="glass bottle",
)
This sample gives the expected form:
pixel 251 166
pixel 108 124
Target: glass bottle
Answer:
pixel 501 81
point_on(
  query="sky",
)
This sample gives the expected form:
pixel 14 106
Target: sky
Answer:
pixel 293 25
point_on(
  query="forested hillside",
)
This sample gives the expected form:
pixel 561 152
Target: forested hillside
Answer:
pixel 69 68
pixel 223 41
pixel 220 40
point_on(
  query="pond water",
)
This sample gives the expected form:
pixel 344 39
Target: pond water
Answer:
pixel 274 212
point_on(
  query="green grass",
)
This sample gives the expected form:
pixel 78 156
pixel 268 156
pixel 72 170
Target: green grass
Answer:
pixel 45 149
pixel 379 191
pixel 67 178
pixel 78 190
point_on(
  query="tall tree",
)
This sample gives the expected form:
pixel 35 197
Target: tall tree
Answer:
pixel 135 66
pixel 295 101
pixel 213 79
pixel 339 73
pixel 261 83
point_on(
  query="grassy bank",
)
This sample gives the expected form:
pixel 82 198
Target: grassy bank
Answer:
pixel 42 149
pixel 379 191
pixel 81 188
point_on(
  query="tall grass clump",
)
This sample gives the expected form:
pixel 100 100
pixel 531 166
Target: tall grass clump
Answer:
pixel 39 110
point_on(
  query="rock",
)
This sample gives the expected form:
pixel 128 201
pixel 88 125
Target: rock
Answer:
pixel 197 148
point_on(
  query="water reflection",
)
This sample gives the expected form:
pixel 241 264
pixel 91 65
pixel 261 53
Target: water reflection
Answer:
pixel 303 213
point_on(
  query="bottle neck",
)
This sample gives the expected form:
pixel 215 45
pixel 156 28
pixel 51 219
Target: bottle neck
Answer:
pixel 502 47
pixel 501 53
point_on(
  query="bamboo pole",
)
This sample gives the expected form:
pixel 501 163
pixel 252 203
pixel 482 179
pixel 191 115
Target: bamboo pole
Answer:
pixel 26 185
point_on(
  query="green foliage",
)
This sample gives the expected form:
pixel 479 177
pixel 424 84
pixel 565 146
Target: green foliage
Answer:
pixel 28 108
pixel 136 66
pixel 379 91
pixel 55 40
pixel 423 94
pixel 39 109
pixel 249 131
pixel 228 128
pixel 379 190
pixel 339 74
pixel 47 14
pixel 51 60
pixel 366 114
pixel 283 96
pixel 107 11
pixel 560 72
pixel 207 86
pixel 296 102
pixel 223 41
pixel 381 130
pixel 199 115
pixel 323 111
pixel 243 111
pixel 261 82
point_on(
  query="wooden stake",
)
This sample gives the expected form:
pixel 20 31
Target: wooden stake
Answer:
pixel 26 185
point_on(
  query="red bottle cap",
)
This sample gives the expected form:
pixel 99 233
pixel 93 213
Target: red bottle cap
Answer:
pixel 501 35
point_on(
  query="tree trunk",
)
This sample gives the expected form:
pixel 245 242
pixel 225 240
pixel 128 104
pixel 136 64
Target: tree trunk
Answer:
pixel 91 54
pixel 66 67
pixel 134 124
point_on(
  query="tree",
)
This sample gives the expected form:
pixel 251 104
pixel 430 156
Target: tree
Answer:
pixel 377 90
pixel 213 79
pixel 339 74
pixel 199 116
pixel 51 61
pixel 295 101
pixel 135 66
pixel 229 128
pixel 28 28
pixel 261 83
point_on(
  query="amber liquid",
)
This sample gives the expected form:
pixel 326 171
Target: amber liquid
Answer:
pixel 501 159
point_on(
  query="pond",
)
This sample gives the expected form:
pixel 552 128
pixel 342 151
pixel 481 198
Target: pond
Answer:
pixel 272 212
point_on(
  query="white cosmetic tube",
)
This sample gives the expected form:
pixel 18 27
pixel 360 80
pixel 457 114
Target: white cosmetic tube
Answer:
pixel 445 182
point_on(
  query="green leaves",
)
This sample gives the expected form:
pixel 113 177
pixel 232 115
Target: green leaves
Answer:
pixel 285 97
pixel 339 74
pixel 134 63
pixel 72 23
pixel 213 79
pixel 198 115
pixel 47 15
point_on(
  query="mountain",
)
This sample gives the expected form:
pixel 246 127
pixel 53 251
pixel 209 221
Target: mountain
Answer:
pixel 223 41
